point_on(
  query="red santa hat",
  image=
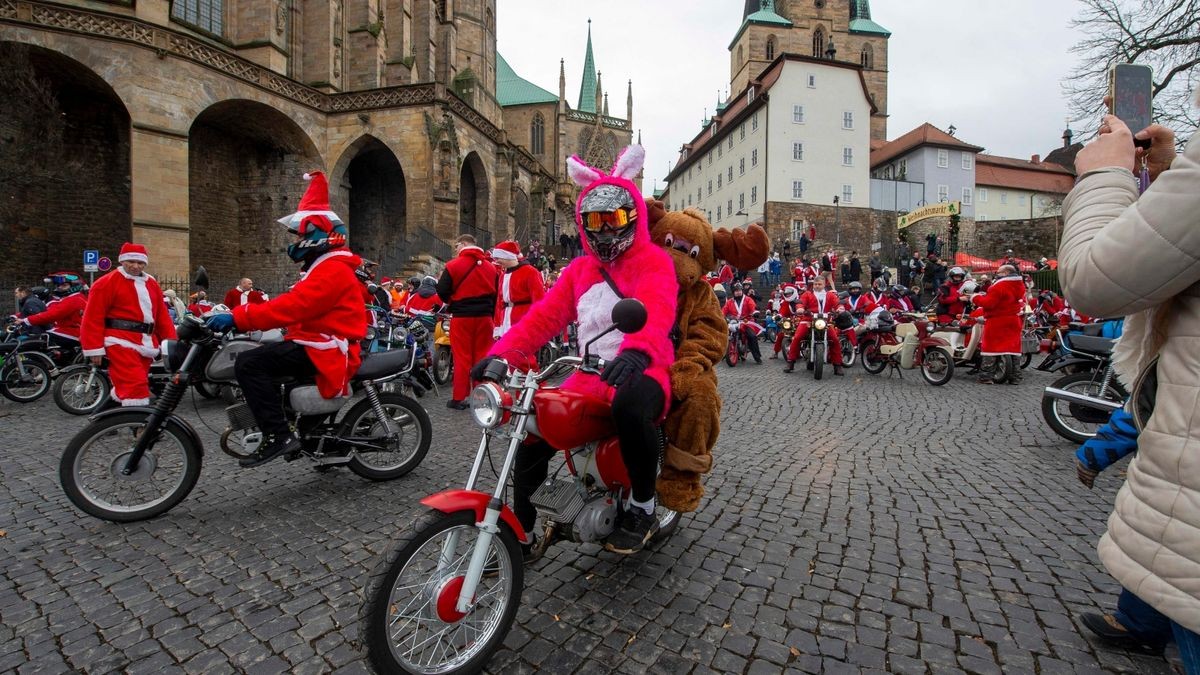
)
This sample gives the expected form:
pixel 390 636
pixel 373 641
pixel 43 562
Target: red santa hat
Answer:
pixel 131 251
pixel 507 250
pixel 315 201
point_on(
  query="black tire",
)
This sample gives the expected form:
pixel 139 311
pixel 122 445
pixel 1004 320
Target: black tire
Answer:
pixel 416 419
pixel 27 383
pixel 872 361
pixel 545 356
pixel 72 393
pixel 849 354
pixel 1060 415
pixel 731 354
pixel 208 390
pixel 943 364
pixel 443 365
pixel 375 620
pixel 1003 362
pixel 69 468
pixel 1026 359
pixel 818 360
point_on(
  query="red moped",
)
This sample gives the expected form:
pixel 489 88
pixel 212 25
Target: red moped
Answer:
pixel 444 598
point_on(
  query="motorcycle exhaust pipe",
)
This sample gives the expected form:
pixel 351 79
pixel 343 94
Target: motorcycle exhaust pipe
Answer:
pixel 1084 400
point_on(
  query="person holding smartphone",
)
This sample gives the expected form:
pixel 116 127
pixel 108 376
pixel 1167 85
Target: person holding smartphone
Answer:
pixel 1151 546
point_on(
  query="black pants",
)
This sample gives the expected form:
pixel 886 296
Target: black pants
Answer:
pixel 636 408
pixel 256 370
pixel 752 342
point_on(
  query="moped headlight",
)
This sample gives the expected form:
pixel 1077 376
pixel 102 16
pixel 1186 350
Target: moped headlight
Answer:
pixel 489 405
pixel 819 324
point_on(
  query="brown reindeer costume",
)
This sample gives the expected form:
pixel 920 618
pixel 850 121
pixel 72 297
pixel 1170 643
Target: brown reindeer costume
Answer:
pixel 694 421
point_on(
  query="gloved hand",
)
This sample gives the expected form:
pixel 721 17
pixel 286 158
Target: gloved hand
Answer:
pixel 220 323
pixel 480 368
pixel 626 367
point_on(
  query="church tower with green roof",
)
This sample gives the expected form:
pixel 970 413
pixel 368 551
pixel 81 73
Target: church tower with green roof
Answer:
pixel 810 28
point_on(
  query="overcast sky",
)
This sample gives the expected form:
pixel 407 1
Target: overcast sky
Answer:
pixel 992 69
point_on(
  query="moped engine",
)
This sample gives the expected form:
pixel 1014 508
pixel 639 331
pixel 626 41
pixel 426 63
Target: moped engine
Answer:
pixel 582 518
pixel 241 437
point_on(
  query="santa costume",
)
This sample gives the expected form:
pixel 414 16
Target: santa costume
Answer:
pixel 469 284
pixel 812 302
pixel 520 287
pixel 1001 305
pixel 236 297
pixel 125 320
pixel 63 313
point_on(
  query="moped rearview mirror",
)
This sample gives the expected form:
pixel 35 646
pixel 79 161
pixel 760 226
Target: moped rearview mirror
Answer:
pixel 629 315
pixel 201 278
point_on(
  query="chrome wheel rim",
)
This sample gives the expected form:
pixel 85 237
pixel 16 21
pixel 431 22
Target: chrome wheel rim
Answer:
pixel 27 384
pixel 1062 408
pixel 417 637
pixel 78 394
pixel 158 475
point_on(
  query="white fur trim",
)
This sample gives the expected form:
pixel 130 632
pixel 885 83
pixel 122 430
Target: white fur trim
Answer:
pixel 318 261
pixel 501 254
pixel 630 162
pixel 295 218
pixel 139 257
pixel 582 174
pixel 330 342
pixel 94 352
pixel 594 311
pixel 148 351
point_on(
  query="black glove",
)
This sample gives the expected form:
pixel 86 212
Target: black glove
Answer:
pixel 625 368
pixel 480 368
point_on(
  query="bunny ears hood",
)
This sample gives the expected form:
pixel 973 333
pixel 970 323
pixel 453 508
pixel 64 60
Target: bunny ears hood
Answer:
pixel 627 167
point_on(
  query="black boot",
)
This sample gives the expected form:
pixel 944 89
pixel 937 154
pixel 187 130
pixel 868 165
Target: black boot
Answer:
pixel 837 370
pixel 791 366
pixel 987 370
pixel 273 445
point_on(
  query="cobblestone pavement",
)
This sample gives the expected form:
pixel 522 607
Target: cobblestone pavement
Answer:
pixel 855 524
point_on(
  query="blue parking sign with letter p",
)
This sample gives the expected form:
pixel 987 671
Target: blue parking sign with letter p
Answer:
pixel 91 260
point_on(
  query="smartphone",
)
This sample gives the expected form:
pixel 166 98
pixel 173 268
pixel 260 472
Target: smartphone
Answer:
pixel 1129 88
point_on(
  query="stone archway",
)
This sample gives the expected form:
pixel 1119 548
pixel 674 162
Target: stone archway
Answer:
pixel 372 186
pixel 246 164
pixel 64 163
pixel 473 201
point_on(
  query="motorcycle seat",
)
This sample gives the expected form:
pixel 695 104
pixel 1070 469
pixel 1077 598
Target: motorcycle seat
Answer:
pixel 307 400
pixel 381 364
pixel 32 345
pixel 1092 344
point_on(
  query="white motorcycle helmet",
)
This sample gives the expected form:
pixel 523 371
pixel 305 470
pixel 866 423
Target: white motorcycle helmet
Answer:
pixel 968 286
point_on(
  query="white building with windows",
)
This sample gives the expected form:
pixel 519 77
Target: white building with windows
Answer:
pixel 797 136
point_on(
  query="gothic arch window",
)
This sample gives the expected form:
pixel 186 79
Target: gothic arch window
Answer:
pixel 771 48
pixel 818 43
pixel 490 21
pixel 820 4
pixel 867 57
pixel 739 55
pixel 537 135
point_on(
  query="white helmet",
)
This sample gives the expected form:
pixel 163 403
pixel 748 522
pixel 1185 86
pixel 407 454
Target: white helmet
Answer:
pixel 968 287
pixel 958 271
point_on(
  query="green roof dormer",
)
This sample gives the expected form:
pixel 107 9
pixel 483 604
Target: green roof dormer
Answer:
pixel 512 89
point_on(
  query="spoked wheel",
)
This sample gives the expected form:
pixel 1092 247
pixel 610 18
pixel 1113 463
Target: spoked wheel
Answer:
pixel 1074 422
pixel 872 361
pixel 546 355
pixel 849 354
pixel 91 469
pixel 411 622
pixel 81 389
pixel 937 366
pixel 818 360
pixel 24 379
pixel 400 441
pixel 443 365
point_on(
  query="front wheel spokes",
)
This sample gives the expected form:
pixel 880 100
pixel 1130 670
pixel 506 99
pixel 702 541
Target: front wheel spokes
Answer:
pixel 422 639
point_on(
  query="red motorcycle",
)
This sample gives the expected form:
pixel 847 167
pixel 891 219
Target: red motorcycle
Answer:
pixel 445 597
pixel 908 345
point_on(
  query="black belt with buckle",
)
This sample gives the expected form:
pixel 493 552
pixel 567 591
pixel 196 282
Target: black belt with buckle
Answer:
pixel 122 324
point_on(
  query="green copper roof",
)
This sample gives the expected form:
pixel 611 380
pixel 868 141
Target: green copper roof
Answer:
pixel 765 16
pixel 512 89
pixel 868 26
pixel 587 88
pixel 860 19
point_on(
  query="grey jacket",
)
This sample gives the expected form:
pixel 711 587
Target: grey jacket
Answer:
pixel 1122 255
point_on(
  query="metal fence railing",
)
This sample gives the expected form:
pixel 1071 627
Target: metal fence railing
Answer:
pixel 1046 280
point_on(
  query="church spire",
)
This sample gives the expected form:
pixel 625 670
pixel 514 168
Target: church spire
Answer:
pixel 629 104
pixel 606 104
pixel 587 87
pixel 599 93
pixel 562 79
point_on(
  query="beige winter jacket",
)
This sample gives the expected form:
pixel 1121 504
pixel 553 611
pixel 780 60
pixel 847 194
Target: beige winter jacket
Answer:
pixel 1119 258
